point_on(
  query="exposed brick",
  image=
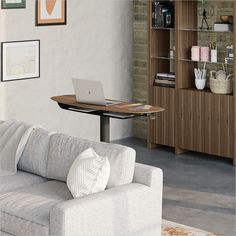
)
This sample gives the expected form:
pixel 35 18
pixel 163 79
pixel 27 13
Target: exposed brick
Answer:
pixel 139 79
pixel 141 63
pixel 140 26
pixel 139 71
pixel 140 56
pixel 140 48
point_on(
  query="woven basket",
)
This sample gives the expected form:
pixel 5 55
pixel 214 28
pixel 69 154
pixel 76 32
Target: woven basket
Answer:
pixel 221 86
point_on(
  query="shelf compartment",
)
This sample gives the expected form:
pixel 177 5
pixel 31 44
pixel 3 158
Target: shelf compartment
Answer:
pixel 158 66
pixel 161 42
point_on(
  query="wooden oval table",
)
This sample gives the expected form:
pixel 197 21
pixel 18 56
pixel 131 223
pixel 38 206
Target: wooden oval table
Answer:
pixel 121 110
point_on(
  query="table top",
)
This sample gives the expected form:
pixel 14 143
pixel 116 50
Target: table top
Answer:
pixel 122 107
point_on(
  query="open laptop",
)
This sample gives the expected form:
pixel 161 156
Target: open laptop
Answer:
pixel 91 92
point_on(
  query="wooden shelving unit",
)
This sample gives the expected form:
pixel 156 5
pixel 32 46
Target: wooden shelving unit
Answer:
pixel 194 120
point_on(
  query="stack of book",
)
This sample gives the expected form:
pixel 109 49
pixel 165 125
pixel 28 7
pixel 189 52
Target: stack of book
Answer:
pixel 221 26
pixel 165 79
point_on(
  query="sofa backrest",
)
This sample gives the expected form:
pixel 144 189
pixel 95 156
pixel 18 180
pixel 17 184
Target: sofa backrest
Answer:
pixel 64 149
pixel 35 155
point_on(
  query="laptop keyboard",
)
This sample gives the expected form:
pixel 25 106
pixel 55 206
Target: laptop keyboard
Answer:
pixel 109 102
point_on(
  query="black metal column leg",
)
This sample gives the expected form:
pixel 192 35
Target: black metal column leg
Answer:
pixel 104 129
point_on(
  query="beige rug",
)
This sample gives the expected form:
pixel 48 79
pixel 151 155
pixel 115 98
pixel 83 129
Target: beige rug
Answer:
pixel 173 229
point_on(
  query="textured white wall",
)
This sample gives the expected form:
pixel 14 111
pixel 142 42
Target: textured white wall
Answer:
pixel 96 43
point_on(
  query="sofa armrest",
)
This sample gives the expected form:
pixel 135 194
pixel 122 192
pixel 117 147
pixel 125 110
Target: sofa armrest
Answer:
pixel 132 209
pixel 148 175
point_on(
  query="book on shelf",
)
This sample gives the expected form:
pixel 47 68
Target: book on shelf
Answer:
pixel 165 79
pixel 220 26
pixel 163 82
pixel 165 76
pixel 229 60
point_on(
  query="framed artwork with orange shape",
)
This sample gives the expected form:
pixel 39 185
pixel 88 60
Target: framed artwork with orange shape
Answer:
pixel 50 12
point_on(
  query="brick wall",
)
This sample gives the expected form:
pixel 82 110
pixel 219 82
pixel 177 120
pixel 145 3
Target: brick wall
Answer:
pixel 140 71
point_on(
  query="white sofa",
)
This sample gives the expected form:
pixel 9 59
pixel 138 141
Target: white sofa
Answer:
pixel 37 202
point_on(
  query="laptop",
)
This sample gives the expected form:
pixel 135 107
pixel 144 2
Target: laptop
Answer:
pixel 91 92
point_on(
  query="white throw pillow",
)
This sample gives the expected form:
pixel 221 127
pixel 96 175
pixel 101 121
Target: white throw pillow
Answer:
pixel 88 174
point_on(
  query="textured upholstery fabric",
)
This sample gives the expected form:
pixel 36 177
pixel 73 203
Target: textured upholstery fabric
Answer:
pixel 148 175
pixel 25 212
pixel 88 174
pixel 5 234
pixel 35 155
pixel 48 208
pixel 19 180
pixel 13 138
pixel 131 209
pixel 64 149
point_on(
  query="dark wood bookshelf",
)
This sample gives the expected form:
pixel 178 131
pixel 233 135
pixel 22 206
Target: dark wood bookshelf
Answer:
pixel 193 119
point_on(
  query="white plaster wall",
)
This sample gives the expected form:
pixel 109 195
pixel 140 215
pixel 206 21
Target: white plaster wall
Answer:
pixel 96 43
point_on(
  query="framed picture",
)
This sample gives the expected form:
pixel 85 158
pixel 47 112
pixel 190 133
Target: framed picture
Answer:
pixel 50 12
pixel 20 60
pixel 12 4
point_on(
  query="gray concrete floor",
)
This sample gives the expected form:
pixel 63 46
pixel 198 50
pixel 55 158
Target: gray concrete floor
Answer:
pixel 199 190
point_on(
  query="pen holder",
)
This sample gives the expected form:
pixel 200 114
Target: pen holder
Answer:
pixel 200 80
pixel 200 83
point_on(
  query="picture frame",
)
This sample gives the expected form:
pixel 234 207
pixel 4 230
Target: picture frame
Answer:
pixel 20 60
pixel 53 12
pixel 13 4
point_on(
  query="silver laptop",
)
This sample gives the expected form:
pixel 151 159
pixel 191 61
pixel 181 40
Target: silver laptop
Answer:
pixel 91 92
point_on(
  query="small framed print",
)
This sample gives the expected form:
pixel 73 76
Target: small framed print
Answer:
pixel 20 60
pixel 13 4
pixel 50 12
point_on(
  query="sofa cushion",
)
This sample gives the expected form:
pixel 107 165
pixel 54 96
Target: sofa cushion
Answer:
pixel 35 155
pixel 20 180
pixel 25 212
pixel 64 149
pixel 88 174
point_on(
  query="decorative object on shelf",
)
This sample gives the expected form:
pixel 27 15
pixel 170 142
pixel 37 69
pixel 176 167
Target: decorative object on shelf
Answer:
pixel 206 11
pixel 200 77
pixel 172 53
pixel 162 14
pixel 221 82
pixel 13 4
pixel 199 53
pixel 204 19
pixel 229 55
pixel 213 48
pixel 51 12
pixel 204 53
pixel 195 53
pixel 20 60
pixel 226 19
